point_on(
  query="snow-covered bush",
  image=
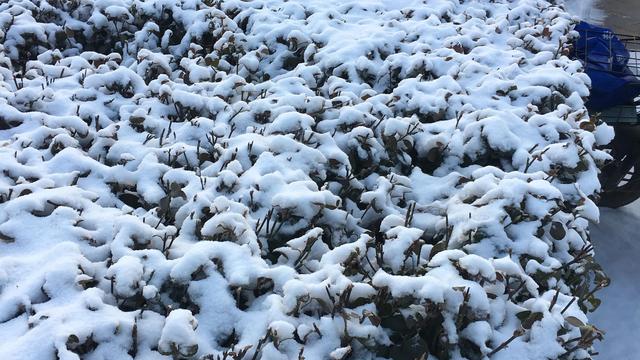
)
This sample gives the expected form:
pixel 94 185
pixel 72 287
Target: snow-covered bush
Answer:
pixel 272 179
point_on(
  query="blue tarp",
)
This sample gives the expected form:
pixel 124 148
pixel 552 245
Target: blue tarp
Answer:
pixel 606 59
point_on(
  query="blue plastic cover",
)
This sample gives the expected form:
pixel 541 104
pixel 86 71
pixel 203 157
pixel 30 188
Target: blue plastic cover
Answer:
pixel 606 58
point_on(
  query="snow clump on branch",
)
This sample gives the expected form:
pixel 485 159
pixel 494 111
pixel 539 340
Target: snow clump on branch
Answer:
pixel 276 180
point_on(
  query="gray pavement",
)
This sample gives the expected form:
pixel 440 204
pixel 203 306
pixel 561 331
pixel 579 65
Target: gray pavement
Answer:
pixel 622 15
pixel 617 244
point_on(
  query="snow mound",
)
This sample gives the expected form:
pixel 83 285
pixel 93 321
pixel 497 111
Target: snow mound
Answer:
pixel 278 180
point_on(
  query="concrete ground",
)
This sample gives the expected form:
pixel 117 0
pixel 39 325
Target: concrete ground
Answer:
pixel 617 237
pixel 617 246
pixel 623 16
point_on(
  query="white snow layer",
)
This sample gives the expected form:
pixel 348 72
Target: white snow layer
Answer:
pixel 279 180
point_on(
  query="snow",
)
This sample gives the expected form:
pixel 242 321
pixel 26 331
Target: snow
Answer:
pixel 178 336
pixel 282 179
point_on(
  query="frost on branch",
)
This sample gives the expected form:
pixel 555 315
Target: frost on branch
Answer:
pixel 281 180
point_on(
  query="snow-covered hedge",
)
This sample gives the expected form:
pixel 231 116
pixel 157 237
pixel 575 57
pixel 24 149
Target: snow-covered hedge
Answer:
pixel 271 179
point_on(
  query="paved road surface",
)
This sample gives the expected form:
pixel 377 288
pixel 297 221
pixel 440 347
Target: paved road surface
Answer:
pixel 622 15
pixel 617 244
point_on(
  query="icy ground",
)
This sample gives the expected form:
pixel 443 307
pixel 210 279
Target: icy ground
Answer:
pixel 617 247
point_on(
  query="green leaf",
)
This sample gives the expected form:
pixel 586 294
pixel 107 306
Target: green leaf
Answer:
pixel 412 348
pixel 595 303
pixel 136 120
pixel 440 246
pixel 395 322
pixel 531 319
pixel 574 321
pixel 523 315
pixel 130 199
pixel 6 238
pixel 434 155
pixel 557 230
